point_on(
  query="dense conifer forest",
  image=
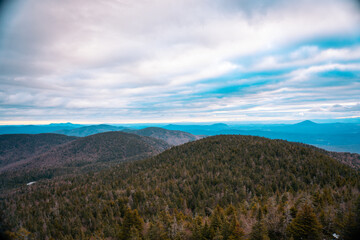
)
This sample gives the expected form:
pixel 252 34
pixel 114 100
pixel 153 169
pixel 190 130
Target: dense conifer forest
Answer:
pixel 16 147
pixel 222 187
pixel 35 157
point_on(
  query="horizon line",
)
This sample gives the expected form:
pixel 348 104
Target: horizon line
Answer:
pixel 47 122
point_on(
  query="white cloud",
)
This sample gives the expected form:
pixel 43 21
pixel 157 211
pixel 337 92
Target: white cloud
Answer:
pixel 125 54
pixel 352 107
pixel 308 55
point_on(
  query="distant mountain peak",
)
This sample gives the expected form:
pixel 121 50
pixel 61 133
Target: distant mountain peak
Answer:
pixel 306 123
pixel 219 125
pixel 61 124
pixel 172 137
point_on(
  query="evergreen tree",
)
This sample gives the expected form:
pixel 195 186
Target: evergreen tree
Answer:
pixel 259 231
pixel 235 231
pixel 132 224
pixel 216 222
pixel 134 234
pixel 156 232
pixel 205 233
pixel 305 225
pixel 352 223
pixel 197 228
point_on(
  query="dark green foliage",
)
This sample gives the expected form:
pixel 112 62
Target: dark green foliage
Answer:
pixel 352 223
pixel 132 225
pixel 82 155
pixel 222 187
pixel 306 225
pixel 17 147
pixel 157 232
pixel 259 231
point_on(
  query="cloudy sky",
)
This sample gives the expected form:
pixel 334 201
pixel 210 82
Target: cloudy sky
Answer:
pixel 178 61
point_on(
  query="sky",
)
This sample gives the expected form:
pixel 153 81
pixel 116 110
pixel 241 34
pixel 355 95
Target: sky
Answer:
pixel 123 61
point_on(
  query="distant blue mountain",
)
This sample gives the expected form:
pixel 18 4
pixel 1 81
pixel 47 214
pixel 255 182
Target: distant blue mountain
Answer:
pixel 210 130
pixel 35 129
pixel 89 130
pixel 341 137
pixel 306 123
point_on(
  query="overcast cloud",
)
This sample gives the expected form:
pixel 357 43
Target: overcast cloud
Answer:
pixel 172 61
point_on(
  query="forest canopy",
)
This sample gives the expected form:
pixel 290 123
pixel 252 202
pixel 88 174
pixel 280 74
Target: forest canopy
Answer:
pixel 221 187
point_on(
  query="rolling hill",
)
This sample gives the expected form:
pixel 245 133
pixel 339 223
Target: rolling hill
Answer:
pixel 350 159
pixel 218 187
pixel 172 137
pixel 16 147
pixel 210 130
pixel 89 130
pixel 81 155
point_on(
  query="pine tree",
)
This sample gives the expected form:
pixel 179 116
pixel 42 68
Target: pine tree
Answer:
pixel 259 231
pixel 134 234
pixel 305 225
pixel 231 226
pixel 197 228
pixel 132 224
pixel 235 231
pixel 352 223
pixel 205 233
pixel 216 222
pixel 157 232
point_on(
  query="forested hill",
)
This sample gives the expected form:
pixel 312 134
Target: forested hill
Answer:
pixel 221 187
pixel 15 147
pixel 85 154
pixel 350 159
pixel 172 137
pixel 89 130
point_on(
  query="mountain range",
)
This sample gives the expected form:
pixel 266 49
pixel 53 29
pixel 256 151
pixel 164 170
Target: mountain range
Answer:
pixel 339 137
pixel 172 137
pixel 31 157
pixel 89 130
pixel 36 129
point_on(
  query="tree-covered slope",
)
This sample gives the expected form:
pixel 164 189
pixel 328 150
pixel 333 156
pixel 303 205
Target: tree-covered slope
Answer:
pixel 89 130
pixel 83 154
pixel 221 187
pixel 16 147
pixel 172 137
pixel 347 158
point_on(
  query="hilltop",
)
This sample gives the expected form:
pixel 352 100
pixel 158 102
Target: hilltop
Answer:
pixel 172 137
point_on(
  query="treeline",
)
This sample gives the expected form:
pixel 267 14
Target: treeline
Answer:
pixel 223 187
